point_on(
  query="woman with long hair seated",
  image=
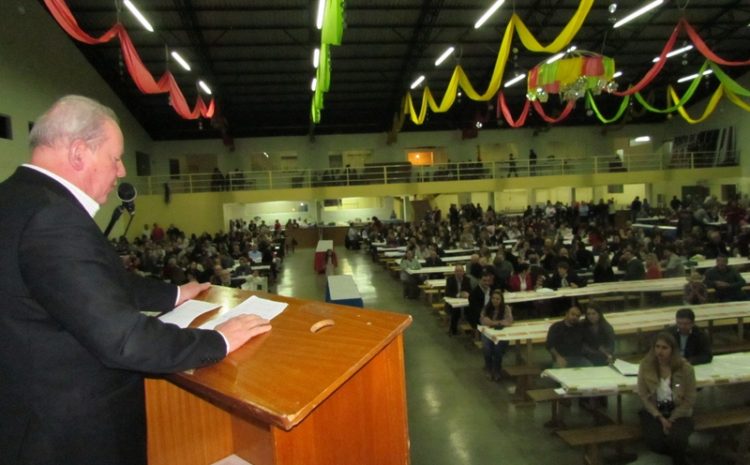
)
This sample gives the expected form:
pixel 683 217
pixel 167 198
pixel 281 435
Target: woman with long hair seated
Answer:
pixel 496 315
pixel 598 337
pixel 666 386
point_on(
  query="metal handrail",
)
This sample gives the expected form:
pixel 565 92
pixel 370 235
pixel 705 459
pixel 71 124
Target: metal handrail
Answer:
pixel 406 173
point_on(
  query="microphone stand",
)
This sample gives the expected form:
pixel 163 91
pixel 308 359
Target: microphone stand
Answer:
pixel 130 220
pixel 116 213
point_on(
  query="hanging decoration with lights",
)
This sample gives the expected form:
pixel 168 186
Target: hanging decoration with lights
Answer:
pixel 571 77
pixel 459 78
pixel 141 76
pixel 582 75
pixel 332 33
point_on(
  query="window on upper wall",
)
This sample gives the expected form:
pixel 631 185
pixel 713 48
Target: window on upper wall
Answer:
pixel 420 157
pixel 335 160
pixel 142 163
pixel 6 130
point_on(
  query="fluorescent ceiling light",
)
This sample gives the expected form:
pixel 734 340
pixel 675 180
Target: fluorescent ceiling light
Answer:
pixel 144 22
pixel 321 13
pixel 205 87
pixel 488 13
pixel 314 84
pixel 444 56
pixel 417 82
pixel 316 58
pixel 642 139
pixel 178 58
pixel 675 52
pixel 516 79
pixel 640 11
pixel 617 74
pixel 693 76
pixel 554 58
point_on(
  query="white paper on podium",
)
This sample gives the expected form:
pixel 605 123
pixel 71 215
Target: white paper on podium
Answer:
pixel 183 315
pixel 254 305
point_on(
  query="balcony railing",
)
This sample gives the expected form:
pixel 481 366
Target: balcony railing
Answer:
pixel 406 173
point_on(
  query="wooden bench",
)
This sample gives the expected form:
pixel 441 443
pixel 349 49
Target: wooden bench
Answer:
pixel 548 395
pixel 524 376
pixel 591 438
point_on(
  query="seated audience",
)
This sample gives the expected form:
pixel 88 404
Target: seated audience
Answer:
pixel 653 267
pixel 598 338
pixel 672 265
pixel 666 386
pixel 565 341
pixel 603 272
pixel 410 281
pixel 564 277
pixel 695 291
pixel 633 266
pixel 496 315
pixel 479 297
pixel 457 285
pixel 521 280
pixel 692 341
pixel 725 280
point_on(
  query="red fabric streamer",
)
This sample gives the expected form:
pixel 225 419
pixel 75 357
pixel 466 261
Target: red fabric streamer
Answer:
pixel 656 69
pixel 141 76
pixel 566 111
pixel 703 48
pixel 502 105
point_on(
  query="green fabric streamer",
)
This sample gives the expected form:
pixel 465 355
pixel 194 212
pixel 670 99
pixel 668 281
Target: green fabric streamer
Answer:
pixel 729 83
pixel 331 34
pixel 683 101
pixel 618 115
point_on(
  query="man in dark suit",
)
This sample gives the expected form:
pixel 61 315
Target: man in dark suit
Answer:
pixel 457 285
pixel 563 277
pixel 693 342
pixel 479 297
pixel 633 266
pixel 73 344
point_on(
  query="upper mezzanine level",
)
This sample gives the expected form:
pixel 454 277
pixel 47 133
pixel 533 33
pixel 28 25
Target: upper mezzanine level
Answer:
pixel 403 178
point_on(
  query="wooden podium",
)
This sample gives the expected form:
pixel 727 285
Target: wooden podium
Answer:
pixel 291 396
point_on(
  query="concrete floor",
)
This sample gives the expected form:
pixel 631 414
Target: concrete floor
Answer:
pixel 456 415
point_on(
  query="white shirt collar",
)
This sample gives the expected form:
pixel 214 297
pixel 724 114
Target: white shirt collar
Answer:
pixel 87 202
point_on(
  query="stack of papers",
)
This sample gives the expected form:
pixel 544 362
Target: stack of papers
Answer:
pixel 183 315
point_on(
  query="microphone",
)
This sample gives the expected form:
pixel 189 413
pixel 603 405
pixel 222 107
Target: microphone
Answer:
pixel 126 193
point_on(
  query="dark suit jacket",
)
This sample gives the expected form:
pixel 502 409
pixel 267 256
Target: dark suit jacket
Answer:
pixel 452 287
pixel 73 344
pixel 697 347
pixel 555 282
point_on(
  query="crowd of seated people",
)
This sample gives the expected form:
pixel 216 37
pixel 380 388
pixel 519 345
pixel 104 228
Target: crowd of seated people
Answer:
pixel 558 247
pixel 225 259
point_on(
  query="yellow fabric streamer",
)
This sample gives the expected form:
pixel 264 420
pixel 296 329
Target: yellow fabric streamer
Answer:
pixel 710 108
pixel 563 39
pixel 734 98
pixel 460 79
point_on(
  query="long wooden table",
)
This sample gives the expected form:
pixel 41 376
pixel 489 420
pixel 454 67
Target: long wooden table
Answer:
pixel 291 396
pixel 619 287
pixel 594 381
pixel 533 332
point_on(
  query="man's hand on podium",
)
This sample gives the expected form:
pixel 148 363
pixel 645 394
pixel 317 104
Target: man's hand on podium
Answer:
pixel 191 290
pixel 240 329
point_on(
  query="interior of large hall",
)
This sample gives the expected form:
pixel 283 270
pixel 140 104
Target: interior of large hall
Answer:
pixel 358 152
